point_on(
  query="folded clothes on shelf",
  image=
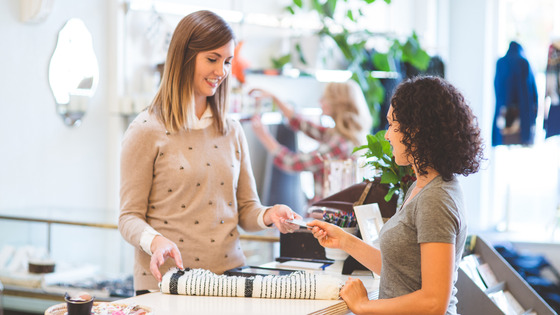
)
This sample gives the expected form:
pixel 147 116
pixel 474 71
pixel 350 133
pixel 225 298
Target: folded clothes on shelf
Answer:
pixel 96 284
pixel 30 267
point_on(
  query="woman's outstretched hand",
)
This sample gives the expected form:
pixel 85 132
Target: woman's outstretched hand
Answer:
pixel 259 94
pixel 278 215
pixel 328 235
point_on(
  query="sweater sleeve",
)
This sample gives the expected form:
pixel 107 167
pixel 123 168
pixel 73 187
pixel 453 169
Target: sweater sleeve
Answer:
pixel 137 161
pixel 312 161
pixel 312 130
pixel 249 205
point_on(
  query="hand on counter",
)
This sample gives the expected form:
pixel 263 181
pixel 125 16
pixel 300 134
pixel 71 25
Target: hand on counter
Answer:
pixel 278 215
pixel 162 248
pixel 354 293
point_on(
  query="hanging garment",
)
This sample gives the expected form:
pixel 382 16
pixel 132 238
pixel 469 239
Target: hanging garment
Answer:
pixel 552 116
pixel 516 99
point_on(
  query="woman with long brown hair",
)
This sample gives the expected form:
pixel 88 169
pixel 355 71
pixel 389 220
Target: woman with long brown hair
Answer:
pixel 186 178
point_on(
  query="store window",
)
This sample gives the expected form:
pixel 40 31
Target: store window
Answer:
pixel 526 194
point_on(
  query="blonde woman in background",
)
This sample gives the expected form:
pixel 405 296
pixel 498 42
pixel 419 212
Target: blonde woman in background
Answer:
pixel 345 104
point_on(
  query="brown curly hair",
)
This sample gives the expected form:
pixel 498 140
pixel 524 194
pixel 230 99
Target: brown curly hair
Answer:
pixel 439 129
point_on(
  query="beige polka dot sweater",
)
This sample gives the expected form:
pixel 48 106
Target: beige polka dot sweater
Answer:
pixel 194 187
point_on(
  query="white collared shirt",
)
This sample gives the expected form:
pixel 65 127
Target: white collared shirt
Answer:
pixel 205 120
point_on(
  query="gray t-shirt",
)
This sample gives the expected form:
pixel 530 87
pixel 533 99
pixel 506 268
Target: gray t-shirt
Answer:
pixel 435 214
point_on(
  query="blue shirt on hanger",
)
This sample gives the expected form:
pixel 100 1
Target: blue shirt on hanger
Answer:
pixel 516 99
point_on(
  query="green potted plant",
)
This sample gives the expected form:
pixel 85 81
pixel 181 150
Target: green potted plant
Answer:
pixel 379 156
pixel 352 40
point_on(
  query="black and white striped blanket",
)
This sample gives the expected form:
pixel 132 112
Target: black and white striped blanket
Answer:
pixel 298 285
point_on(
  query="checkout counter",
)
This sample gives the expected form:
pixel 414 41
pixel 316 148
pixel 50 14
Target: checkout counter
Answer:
pixel 167 304
pixel 295 250
pixel 312 259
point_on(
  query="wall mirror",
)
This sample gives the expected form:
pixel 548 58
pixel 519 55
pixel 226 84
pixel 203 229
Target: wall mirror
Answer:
pixel 73 72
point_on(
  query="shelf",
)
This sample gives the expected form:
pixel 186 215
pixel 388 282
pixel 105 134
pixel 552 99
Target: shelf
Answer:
pixel 321 75
pixel 275 118
pixel 268 118
pixel 473 300
pixel 59 216
pixel 88 218
pixel 37 293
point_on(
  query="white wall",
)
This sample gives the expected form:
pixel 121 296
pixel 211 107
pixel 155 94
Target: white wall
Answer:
pixel 470 67
pixel 45 164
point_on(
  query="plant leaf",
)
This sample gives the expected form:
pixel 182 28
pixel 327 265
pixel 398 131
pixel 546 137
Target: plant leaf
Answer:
pixel 281 61
pixel 300 54
pixel 380 135
pixel 376 149
pixel 359 148
pixel 381 62
pixel 414 54
pixel 342 43
pixel 318 7
pixel 370 141
pixel 350 15
pixel 299 3
pixel 390 193
pixel 376 90
pixel 420 60
pixel 389 178
pixel 329 8
pixel 387 149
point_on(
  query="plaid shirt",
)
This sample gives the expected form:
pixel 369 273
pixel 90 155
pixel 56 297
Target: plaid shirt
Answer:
pixel 331 146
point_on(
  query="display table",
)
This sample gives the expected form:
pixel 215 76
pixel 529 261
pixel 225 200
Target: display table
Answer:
pixel 210 305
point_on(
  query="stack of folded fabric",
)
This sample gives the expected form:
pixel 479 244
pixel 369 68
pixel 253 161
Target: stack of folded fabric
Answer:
pixel 298 285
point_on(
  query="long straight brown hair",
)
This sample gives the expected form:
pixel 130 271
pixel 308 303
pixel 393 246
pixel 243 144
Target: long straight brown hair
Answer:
pixel 174 102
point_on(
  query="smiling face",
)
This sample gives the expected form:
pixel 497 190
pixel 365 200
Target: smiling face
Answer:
pixel 394 136
pixel 211 68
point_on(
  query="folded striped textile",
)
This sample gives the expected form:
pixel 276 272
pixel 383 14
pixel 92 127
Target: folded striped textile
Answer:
pixel 297 285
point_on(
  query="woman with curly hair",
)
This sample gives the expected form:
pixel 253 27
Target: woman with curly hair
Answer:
pixel 431 128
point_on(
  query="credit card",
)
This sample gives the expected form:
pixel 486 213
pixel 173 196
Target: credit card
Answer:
pixel 299 222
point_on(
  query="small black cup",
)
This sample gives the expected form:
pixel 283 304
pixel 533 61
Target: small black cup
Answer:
pixel 78 306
